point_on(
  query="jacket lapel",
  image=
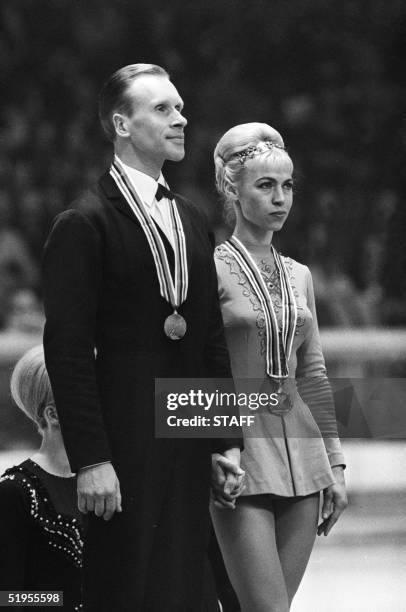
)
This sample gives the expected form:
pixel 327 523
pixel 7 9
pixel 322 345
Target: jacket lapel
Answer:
pixel 112 192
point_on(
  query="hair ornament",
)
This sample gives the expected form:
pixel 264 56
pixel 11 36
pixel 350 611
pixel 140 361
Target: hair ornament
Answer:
pixel 252 151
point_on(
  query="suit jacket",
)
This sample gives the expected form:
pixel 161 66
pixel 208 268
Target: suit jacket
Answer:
pixel 101 294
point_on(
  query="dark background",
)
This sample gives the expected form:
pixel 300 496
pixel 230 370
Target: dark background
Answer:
pixel 329 75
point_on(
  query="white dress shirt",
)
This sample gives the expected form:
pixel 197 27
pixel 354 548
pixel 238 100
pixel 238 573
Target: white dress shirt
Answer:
pixel 145 186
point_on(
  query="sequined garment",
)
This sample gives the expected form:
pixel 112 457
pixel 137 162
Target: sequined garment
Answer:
pixel 41 535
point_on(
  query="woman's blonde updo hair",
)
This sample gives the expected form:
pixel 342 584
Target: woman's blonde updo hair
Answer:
pixel 30 386
pixel 228 166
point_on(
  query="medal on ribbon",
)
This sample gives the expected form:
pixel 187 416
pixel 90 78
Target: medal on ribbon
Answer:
pixel 174 291
pixel 278 341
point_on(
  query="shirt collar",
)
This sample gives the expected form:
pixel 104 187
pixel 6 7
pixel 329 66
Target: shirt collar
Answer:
pixel 145 185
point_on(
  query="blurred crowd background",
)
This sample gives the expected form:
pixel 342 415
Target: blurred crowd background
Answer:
pixel 328 75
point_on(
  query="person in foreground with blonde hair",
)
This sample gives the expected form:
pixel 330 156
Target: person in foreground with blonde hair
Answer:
pixel 40 524
pixel 293 452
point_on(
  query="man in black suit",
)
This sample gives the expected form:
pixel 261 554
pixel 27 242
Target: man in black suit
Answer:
pixel 130 295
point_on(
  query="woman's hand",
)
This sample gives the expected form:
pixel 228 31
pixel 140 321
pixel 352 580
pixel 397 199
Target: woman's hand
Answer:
pixel 227 478
pixel 334 502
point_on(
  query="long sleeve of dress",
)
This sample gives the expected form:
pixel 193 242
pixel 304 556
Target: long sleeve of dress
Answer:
pixel 313 384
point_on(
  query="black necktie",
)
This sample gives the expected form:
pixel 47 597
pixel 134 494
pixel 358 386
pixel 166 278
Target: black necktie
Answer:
pixel 163 192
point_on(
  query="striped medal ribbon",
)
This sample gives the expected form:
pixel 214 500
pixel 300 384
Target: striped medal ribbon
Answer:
pixel 174 293
pixel 278 343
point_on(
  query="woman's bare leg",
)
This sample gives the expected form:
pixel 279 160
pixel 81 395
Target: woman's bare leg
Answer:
pixel 247 540
pixel 266 545
pixel 295 528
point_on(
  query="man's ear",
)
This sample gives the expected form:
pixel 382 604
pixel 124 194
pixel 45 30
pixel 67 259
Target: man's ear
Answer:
pixel 51 415
pixel 120 125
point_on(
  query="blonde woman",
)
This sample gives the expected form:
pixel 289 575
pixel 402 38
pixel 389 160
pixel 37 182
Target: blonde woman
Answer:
pixel 271 328
pixel 40 524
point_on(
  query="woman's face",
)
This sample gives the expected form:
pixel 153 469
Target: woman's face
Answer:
pixel 265 191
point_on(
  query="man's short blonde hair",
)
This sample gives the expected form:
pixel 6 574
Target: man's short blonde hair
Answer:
pixel 113 97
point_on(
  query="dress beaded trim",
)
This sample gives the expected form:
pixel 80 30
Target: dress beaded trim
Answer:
pixel 272 281
pixel 64 533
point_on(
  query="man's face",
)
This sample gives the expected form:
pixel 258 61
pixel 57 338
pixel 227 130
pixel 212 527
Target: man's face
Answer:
pixel 155 128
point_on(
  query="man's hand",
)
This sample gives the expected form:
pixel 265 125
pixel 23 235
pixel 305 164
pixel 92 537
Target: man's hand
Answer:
pixel 99 490
pixel 334 502
pixel 227 478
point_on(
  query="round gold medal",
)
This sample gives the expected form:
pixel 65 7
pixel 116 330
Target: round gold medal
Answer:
pixel 175 326
pixel 282 390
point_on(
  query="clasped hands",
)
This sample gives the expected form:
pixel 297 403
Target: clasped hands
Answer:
pixel 99 488
pixel 227 478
